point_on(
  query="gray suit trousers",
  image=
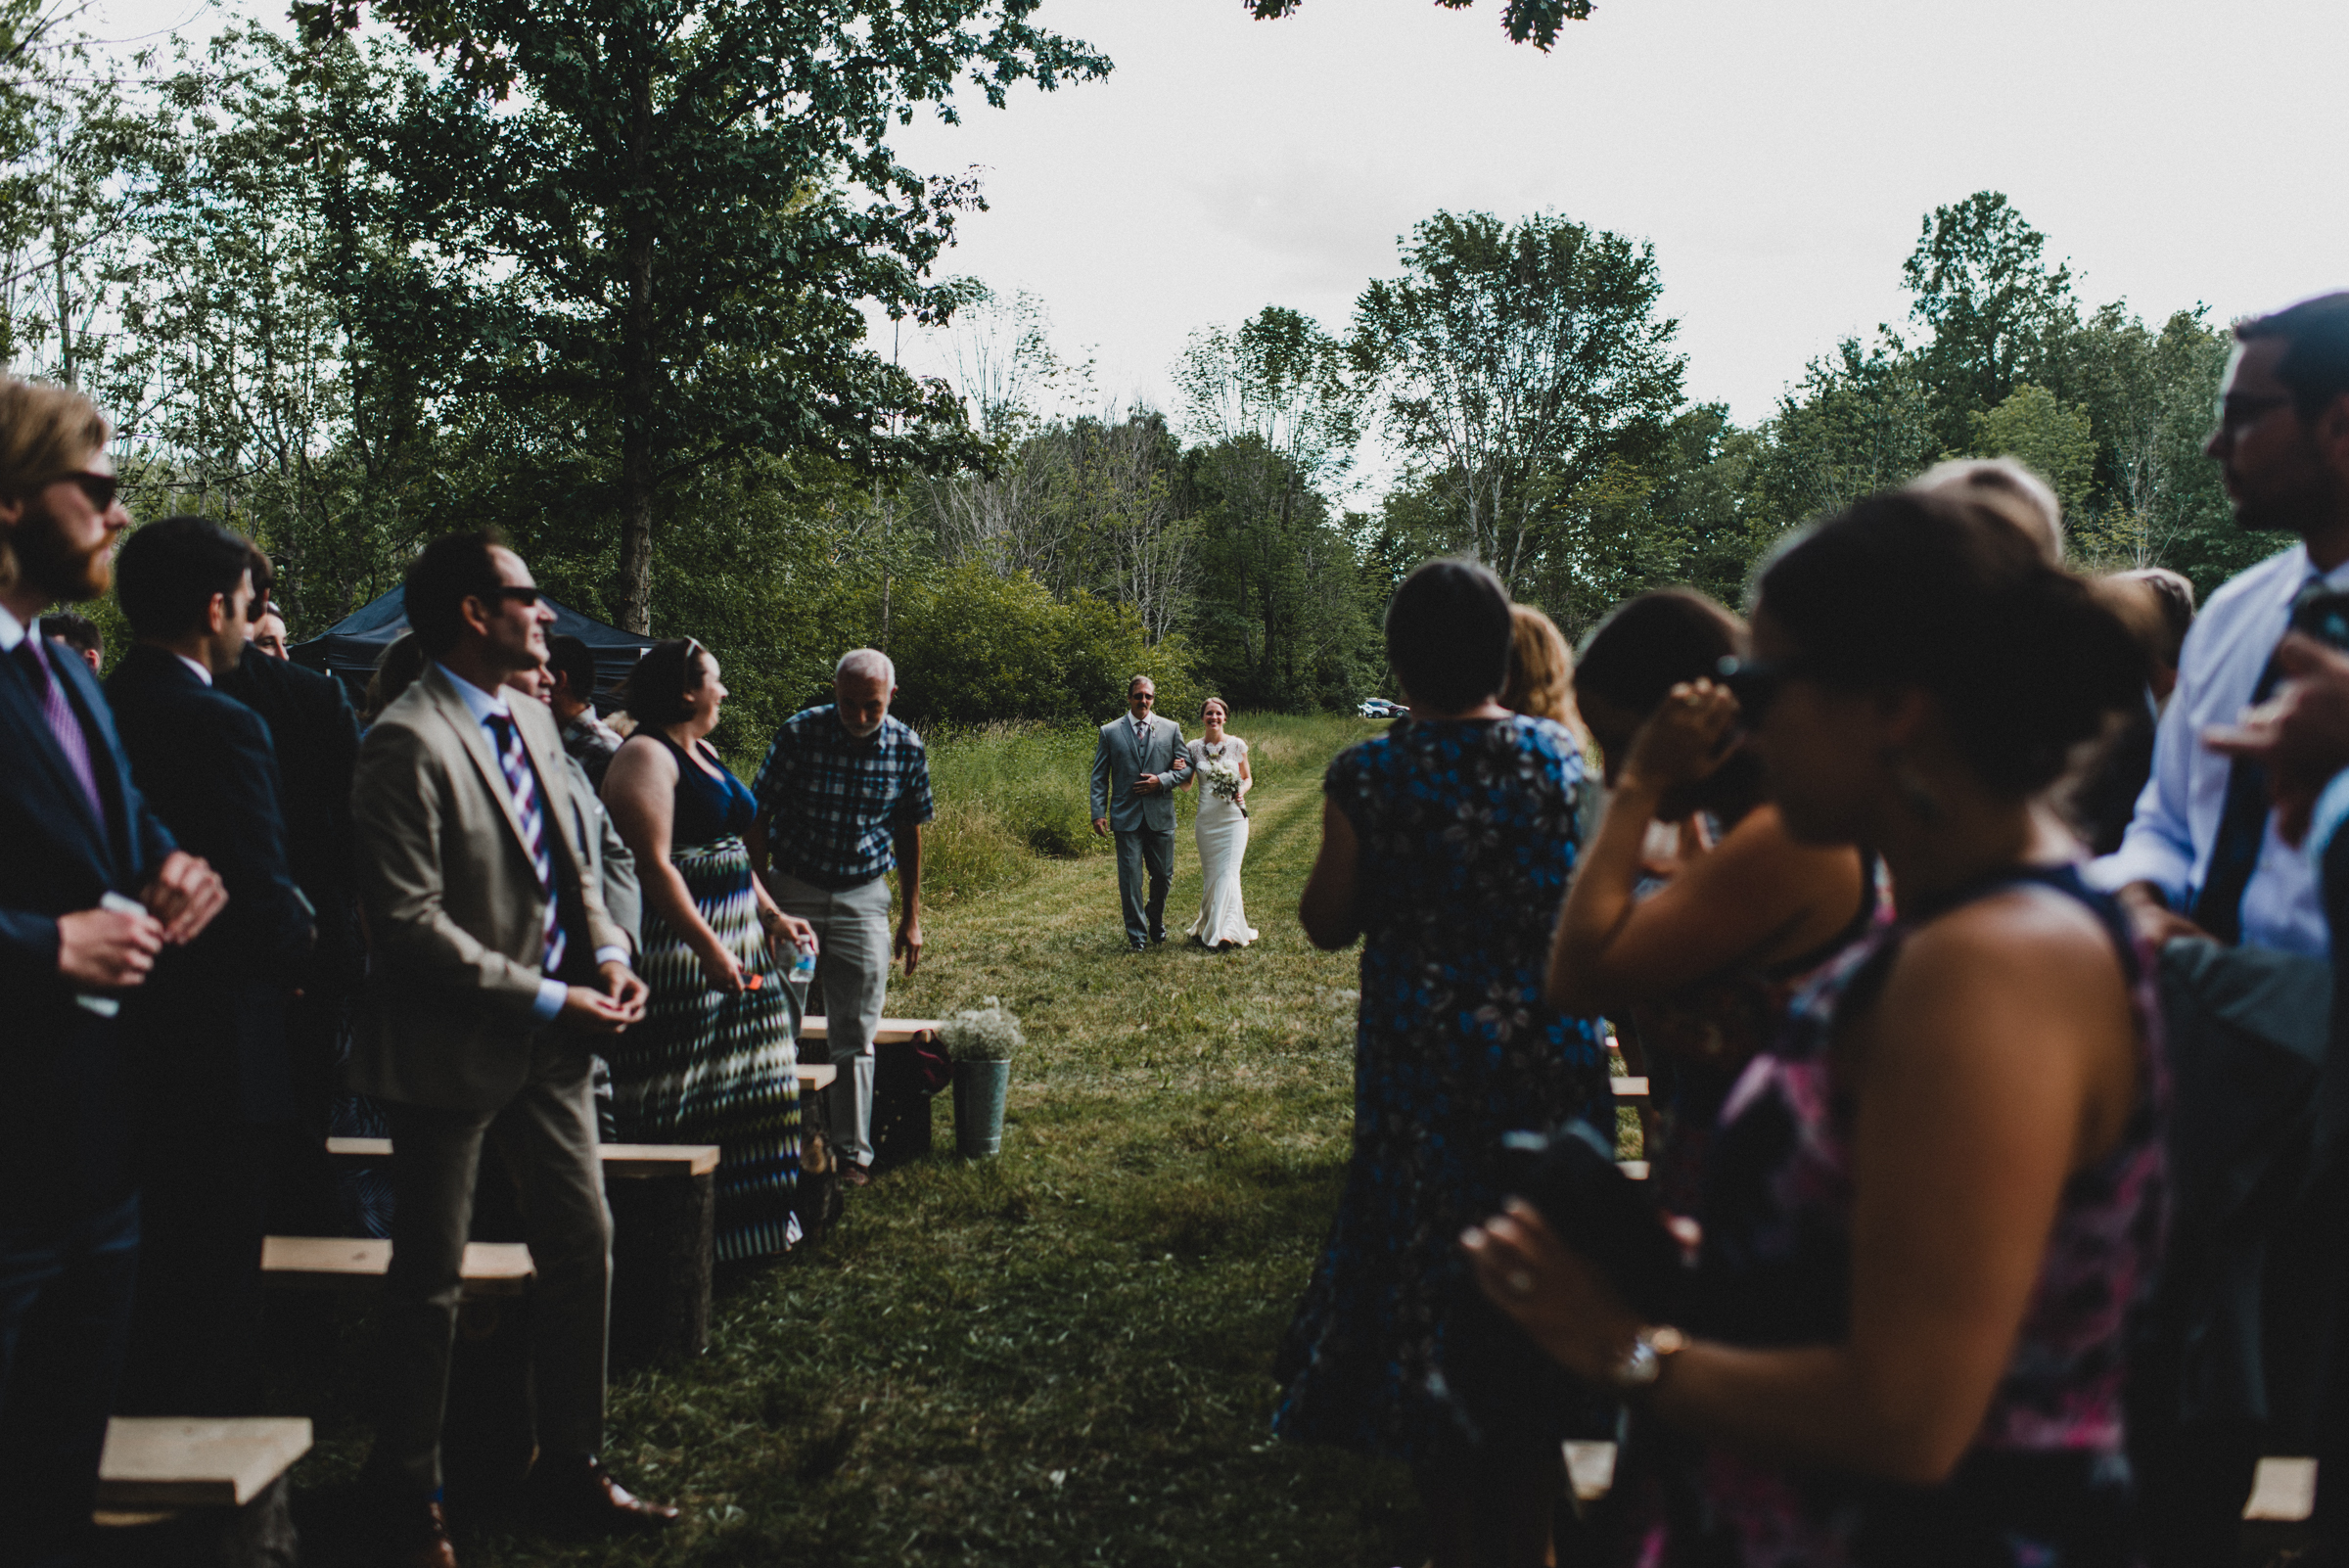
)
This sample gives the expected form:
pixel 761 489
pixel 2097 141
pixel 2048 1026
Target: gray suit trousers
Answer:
pixel 852 929
pixel 1140 849
pixel 546 1133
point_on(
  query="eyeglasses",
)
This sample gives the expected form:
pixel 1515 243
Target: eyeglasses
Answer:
pixel 2238 413
pixel 101 489
pixel 519 595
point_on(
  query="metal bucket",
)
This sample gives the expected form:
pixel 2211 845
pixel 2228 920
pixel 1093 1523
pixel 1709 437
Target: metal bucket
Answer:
pixel 980 1091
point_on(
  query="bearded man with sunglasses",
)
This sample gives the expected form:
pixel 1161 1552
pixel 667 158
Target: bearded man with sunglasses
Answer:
pixel 495 969
pixel 92 889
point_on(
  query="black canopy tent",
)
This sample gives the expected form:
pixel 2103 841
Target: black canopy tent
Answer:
pixel 349 647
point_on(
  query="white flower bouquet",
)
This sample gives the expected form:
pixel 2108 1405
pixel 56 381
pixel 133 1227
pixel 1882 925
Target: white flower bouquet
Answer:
pixel 1224 779
pixel 990 1033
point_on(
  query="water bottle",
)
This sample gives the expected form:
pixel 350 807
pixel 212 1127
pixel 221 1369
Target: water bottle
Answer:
pixel 801 974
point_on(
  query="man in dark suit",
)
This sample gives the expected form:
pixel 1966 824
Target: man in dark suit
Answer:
pixel 80 846
pixel 209 1027
pixel 317 739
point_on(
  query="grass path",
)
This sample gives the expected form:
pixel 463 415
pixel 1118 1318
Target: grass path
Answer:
pixel 1060 1356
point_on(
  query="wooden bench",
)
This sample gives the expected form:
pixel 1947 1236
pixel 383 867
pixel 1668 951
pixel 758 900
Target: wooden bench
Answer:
pixel 2282 1491
pixel 178 1492
pixel 1629 1088
pixel 353 1263
pixel 620 1159
pixel 893 1030
pixel 170 1462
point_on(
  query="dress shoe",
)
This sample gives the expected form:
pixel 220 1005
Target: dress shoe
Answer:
pixel 415 1535
pixel 580 1497
pixel 1140 945
pixel 853 1175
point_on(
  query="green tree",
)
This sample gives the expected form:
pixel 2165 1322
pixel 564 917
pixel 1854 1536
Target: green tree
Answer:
pixel 1518 363
pixel 1997 313
pixel 2043 431
pixel 1535 21
pixel 1859 421
pixel 661 248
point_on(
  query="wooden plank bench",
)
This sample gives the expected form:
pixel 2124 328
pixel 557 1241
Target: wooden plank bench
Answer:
pixel 179 1492
pixel 2282 1491
pixel 172 1461
pixel 893 1030
pixel 620 1159
pixel 1629 1088
pixel 353 1263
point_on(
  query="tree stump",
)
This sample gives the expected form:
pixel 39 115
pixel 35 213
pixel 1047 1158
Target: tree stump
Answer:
pixel 663 1230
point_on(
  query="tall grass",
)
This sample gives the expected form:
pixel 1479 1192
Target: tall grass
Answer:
pixel 1012 797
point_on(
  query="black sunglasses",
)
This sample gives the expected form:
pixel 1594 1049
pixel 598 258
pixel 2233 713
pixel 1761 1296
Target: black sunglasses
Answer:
pixel 522 596
pixel 101 489
pixel 1755 684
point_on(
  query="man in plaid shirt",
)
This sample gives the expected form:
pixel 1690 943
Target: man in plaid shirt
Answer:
pixel 843 795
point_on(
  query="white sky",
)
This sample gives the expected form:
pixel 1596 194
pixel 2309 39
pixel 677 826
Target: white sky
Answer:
pixel 1779 155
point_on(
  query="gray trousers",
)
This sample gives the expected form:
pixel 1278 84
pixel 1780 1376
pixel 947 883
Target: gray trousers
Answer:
pixel 852 927
pixel 546 1135
pixel 1138 848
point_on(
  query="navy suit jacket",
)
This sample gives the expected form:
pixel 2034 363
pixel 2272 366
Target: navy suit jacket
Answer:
pixel 317 739
pixel 210 1022
pixel 64 1083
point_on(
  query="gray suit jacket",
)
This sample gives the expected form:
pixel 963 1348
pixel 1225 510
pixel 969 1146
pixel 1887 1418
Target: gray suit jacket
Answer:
pixel 456 919
pixel 1118 762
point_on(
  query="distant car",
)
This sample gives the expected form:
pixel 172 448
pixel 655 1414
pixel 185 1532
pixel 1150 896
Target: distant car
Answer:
pixel 1380 708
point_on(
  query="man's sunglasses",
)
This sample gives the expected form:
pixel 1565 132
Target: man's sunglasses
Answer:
pixel 101 489
pixel 522 596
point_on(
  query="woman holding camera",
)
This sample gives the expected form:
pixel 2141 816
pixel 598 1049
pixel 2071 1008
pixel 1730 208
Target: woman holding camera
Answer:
pixel 1933 1200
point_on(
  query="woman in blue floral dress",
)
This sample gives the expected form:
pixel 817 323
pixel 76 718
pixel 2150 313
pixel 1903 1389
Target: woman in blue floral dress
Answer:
pixel 1934 1203
pixel 1447 845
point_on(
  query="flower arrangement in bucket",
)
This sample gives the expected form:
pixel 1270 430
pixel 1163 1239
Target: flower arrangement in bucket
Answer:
pixel 981 1041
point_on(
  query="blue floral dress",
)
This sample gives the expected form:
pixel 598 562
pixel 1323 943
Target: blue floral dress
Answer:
pixel 2046 1482
pixel 1467 833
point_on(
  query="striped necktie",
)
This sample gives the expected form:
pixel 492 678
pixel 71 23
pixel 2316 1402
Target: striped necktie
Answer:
pixel 524 783
pixel 63 722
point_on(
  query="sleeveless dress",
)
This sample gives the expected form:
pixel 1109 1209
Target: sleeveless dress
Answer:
pixel 1698 1040
pixel 705 1067
pixel 1221 832
pixel 2046 1482
pixel 1467 834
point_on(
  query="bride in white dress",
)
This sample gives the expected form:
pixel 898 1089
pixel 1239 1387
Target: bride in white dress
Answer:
pixel 1220 762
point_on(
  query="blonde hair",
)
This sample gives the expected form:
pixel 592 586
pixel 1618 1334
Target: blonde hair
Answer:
pixel 2007 490
pixel 1540 683
pixel 46 432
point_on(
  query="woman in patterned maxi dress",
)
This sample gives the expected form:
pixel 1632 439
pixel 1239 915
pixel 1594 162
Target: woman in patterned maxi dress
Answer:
pixel 714 1060
pixel 1447 845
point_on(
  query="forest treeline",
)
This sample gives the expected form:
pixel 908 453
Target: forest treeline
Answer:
pixel 603 274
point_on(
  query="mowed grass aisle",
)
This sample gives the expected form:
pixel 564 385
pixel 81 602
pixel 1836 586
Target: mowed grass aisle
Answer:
pixel 1062 1355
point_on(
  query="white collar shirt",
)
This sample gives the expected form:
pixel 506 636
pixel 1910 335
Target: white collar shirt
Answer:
pixel 197 667
pixel 11 630
pixel 2176 827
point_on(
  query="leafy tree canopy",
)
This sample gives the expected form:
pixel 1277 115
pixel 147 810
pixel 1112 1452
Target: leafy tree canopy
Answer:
pixel 1535 21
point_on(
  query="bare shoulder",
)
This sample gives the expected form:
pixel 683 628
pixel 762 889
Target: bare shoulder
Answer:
pixel 641 760
pixel 2029 947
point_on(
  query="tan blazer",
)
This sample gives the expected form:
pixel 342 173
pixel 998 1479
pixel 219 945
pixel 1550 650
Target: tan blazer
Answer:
pixel 455 920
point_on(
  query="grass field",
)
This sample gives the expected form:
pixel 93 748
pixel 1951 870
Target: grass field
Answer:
pixel 1062 1355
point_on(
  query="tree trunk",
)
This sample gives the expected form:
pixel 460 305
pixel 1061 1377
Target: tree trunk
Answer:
pixel 639 390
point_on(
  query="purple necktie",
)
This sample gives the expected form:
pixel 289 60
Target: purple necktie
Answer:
pixel 62 720
pixel 522 782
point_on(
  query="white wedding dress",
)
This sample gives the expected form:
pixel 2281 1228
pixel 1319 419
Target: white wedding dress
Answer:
pixel 1222 833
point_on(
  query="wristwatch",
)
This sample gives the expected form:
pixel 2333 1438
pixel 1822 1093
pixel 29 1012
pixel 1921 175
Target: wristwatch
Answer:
pixel 1641 1364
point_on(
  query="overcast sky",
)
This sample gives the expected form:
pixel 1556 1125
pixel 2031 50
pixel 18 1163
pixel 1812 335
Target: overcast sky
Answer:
pixel 1780 157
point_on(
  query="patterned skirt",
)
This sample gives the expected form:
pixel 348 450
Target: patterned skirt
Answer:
pixel 706 1067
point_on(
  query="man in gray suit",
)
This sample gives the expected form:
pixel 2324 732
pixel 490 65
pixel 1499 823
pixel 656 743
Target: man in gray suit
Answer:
pixel 1139 764
pixel 494 965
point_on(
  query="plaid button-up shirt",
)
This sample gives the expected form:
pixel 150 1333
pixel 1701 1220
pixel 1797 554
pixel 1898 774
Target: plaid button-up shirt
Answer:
pixel 832 805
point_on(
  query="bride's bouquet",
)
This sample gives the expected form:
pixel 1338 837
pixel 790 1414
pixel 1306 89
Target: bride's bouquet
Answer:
pixel 1224 780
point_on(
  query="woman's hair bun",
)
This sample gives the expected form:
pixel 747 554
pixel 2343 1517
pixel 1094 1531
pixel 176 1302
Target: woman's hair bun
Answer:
pixel 1926 591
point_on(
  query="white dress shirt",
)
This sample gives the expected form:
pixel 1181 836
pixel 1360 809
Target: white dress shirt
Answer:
pixel 483 705
pixel 2170 840
pixel 11 631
